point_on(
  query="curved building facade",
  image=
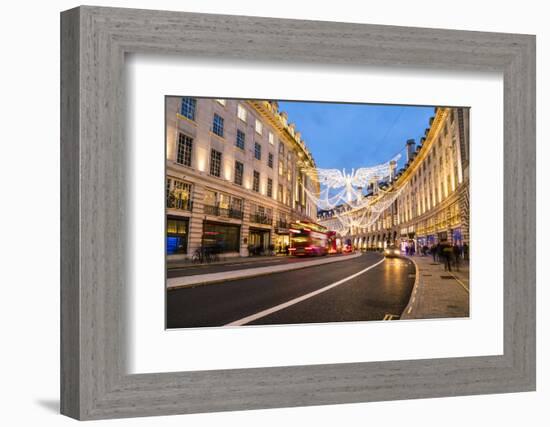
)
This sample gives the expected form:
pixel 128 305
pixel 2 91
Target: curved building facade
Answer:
pixel 233 176
pixel 433 204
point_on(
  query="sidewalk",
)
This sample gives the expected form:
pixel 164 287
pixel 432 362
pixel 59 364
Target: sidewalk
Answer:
pixel 438 293
pixel 211 278
pixel 223 260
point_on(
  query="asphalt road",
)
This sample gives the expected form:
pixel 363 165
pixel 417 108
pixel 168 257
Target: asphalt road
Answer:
pixel 383 290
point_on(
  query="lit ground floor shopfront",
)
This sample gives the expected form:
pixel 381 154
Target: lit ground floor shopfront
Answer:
pixel 259 239
pixel 177 234
pixel 281 242
pixel 223 238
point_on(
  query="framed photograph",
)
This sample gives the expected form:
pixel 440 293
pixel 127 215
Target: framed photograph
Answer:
pixel 262 213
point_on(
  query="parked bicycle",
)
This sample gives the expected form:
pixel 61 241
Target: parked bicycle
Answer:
pixel 205 254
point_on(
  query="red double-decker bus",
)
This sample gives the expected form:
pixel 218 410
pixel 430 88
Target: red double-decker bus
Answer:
pixel 307 238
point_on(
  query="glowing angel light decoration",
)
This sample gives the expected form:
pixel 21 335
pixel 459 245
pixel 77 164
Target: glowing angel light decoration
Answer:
pixel 339 187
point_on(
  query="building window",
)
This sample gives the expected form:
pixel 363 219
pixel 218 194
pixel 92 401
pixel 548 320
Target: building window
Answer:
pixel 257 151
pixel 259 127
pixel 280 193
pixel 188 108
pixel 256 182
pixel 178 195
pixel 239 142
pixel 176 236
pixel 215 163
pixel 269 187
pixel 281 167
pixel 237 205
pixel 217 125
pixel 270 160
pixel 271 138
pixel 241 112
pixel 225 238
pixel 239 171
pixel 185 149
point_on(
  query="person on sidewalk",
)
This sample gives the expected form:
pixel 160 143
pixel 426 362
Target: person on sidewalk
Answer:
pixel 433 251
pixel 456 255
pixel 447 253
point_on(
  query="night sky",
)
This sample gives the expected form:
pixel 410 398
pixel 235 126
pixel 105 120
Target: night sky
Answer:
pixel 356 135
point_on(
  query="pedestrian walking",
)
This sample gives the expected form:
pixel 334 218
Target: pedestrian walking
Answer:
pixel 456 255
pixel 446 254
pixel 433 251
pixel 424 250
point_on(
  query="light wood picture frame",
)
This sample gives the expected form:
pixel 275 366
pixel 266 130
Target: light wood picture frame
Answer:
pixel 94 380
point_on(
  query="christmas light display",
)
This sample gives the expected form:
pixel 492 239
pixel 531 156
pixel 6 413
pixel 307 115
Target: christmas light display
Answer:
pixel 351 185
pixel 342 194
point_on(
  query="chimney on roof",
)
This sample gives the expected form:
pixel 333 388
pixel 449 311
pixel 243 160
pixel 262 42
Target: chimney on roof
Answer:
pixel 393 167
pixel 411 147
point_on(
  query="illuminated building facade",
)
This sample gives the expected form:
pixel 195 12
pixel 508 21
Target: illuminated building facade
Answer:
pixel 434 202
pixel 233 176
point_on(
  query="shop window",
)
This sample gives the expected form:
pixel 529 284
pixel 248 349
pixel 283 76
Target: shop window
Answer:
pixel 176 236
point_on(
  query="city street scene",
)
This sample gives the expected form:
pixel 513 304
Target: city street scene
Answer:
pixel 293 212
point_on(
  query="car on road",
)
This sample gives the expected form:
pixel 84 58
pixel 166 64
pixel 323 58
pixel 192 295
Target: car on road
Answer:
pixel 391 252
pixel 348 247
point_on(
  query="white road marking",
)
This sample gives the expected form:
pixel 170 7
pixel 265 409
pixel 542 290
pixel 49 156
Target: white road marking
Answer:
pixel 460 282
pixel 284 305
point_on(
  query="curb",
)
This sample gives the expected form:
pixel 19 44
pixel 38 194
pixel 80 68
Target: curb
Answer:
pixel 406 314
pixel 249 273
pixel 224 262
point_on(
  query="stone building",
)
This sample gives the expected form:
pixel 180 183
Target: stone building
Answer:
pixel 233 177
pixel 434 202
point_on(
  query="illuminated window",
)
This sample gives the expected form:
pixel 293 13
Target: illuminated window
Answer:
pixel 281 168
pixel 271 138
pixel 185 148
pixel 259 127
pixel 188 108
pixel 241 112
pixel 177 230
pixel 178 194
pixel 215 163
pixel 217 125
pixel 239 142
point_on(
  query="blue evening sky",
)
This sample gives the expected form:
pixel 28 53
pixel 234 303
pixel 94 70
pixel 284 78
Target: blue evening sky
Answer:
pixel 356 135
